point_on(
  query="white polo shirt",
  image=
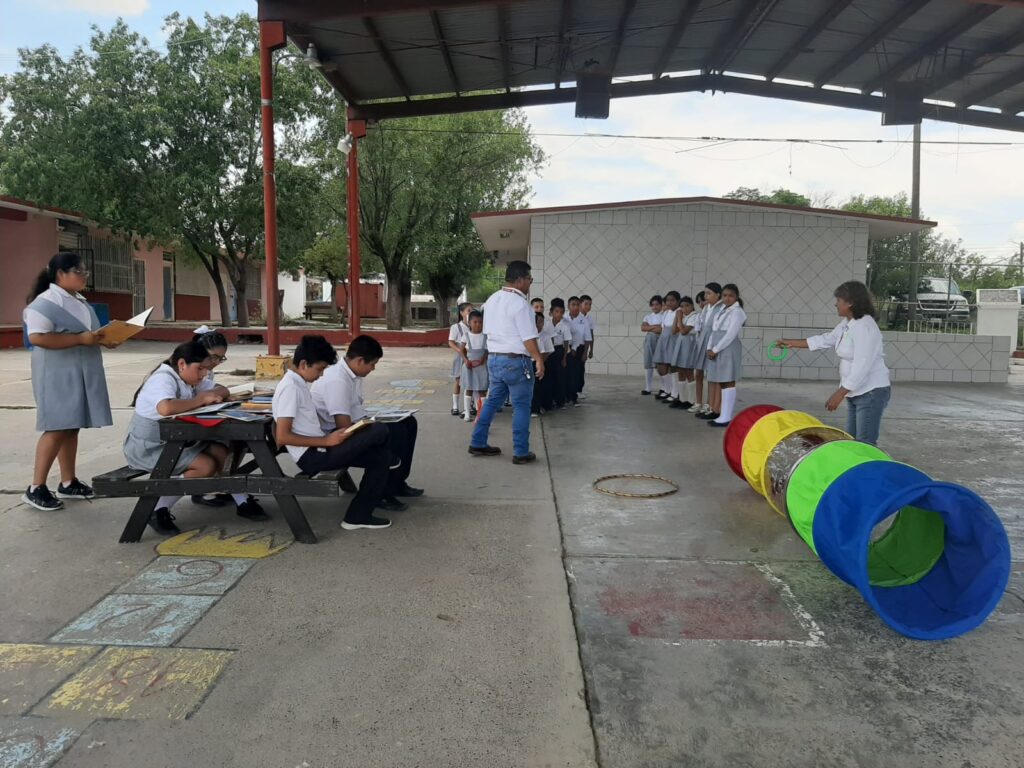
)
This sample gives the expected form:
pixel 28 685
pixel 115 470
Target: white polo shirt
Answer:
pixel 293 400
pixel 509 320
pixel 162 384
pixel 457 331
pixel 858 343
pixel 562 333
pixel 578 328
pixel 588 327
pixel 339 392
pixel 74 303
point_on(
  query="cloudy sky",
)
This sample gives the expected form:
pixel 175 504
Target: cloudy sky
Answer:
pixel 975 192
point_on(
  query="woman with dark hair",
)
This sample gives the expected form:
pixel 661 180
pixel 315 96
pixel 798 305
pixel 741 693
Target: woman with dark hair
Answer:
pixel 68 382
pixel 725 353
pixel 863 375
pixel 712 308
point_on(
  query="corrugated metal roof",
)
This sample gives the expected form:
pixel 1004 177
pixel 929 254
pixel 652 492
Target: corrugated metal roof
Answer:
pixel 969 54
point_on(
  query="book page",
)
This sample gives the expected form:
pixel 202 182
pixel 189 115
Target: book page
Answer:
pixel 117 331
pixel 357 426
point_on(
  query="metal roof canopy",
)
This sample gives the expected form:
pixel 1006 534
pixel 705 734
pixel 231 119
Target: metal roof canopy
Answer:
pixel 959 61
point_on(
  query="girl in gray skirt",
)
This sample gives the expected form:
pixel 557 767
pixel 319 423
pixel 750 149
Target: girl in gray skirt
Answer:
pixel 725 352
pixel 168 391
pixel 651 326
pixel 664 351
pixel 474 377
pixel 685 330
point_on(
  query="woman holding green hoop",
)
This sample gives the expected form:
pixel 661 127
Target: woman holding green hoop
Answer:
pixel 863 376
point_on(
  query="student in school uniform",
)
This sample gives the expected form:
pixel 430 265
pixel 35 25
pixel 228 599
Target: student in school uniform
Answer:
pixel 698 353
pixel 541 387
pixel 725 352
pixel 586 305
pixel 474 371
pixel 651 327
pixel 557 363
pixel 664 352
pixel 167 391
pixel 577 351
pixel 68 383
pixel 685 322
pixel 298 427
pixel 216 345
pixel 713 299
pixel 455 334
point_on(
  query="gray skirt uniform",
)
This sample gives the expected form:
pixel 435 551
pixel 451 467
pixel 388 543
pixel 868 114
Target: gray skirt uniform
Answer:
pixel 728 366
pixel 69 385
pixel 143 446
pixel 665 351
pixel 684 350
pixel 475 379
pixel 650 344
pixel 456 371
pixel 700 351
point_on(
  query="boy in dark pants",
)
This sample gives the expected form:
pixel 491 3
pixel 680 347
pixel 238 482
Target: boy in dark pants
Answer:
pixel 557 361
pixel 314 450
pixel 542 387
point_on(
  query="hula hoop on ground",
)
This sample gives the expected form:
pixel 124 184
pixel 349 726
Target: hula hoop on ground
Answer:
pixel 624 494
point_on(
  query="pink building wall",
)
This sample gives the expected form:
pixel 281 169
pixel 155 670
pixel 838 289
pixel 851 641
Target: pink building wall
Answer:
pixel 25 248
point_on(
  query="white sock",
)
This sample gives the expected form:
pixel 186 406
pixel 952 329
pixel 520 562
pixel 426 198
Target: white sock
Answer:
pixel 467 403
pixel 455 402
pixel 32 488
pixel 728 404
pixel 166 502
pixel 240 498
pixel 648 380
pixel 666 383
pixel 675 388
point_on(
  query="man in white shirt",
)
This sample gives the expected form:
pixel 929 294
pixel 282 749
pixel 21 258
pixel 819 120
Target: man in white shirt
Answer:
pixel 298 428
pixel 338 397
pixel 511 328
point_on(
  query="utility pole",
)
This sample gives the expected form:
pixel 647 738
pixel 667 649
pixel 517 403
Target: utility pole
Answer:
pixel 915 212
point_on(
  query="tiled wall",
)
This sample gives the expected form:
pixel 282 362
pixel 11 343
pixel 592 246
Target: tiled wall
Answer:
pixel 786 265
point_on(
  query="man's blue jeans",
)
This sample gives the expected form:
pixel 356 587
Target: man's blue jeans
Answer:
pixel 864 414
pixel 512 376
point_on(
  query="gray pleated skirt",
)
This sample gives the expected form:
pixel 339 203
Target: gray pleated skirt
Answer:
pixel 728 366
pixel 456 371
pixel 650 344
pixel 699 352
pixel 684 350
pixel 665 352
pixel 143 446
pixel 475 379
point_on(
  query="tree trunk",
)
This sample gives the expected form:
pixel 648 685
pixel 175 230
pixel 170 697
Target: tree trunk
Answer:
pixel 212 266
pixel 241 300
pixel 443 309
pixel 393 314
pixel 406 289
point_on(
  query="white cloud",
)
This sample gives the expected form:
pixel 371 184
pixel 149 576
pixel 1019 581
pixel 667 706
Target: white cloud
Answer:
pixel 106 7
pixel 970 190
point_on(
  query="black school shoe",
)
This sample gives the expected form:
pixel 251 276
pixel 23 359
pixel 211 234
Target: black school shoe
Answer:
pixel 250 509
pixel 41 498
pixel 662 394
pixel 708 416
pixel 372 523
pixel 718 423
pixel 212 500
pixel 162 521
pixel 682 404
pixel 408 491
pixel 645 391
pixel 391 504
pixel 76 489
pixel 456 412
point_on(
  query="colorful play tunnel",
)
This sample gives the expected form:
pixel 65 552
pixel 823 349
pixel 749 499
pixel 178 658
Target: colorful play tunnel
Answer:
pixel 931 558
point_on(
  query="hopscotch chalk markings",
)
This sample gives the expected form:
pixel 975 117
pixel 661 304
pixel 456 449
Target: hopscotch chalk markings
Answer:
pixel 152 620
pixel 28 742
pixel 188 576
pixel 215 542
pixel 29 671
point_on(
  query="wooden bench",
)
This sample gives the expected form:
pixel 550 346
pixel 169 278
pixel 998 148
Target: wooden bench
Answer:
pixel 244 437
pixel 325 309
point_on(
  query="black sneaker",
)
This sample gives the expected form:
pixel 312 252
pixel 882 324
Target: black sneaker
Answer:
pixel 212 499
pixel 456 412
pixel 645 391
pixel 162 521
pixel 408 491
pixel 391 504
pixel 371 522
pixel 41 498
pixel 76 489
pixel 250 509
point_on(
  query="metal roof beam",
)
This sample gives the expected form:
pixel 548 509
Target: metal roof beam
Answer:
pixel 562 52
pixel 385 54
pixel 761 18
pixel 1014 108
pixel 932 46
pixel 620 35
pixel 906 9
pixel 807 38
pixel 308 11
pixel 506 58
pixel 738 32
pixel 985 92
pixel 435 20
pixel 973 61
pixel 685 16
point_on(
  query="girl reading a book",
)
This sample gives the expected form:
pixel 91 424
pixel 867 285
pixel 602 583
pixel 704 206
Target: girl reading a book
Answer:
pixel 68 382
pixel 169 390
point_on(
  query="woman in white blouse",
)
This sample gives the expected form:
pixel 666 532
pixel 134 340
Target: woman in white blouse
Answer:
pixel 863 375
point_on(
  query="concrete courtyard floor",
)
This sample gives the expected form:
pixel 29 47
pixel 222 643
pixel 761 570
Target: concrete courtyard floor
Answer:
pixel 511 617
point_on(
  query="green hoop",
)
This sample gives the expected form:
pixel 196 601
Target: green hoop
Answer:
pixel 779 356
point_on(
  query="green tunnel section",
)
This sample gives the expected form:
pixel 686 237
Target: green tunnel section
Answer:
pixel 904 553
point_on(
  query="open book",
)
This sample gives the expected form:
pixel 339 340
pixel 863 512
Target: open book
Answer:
pixel 117 331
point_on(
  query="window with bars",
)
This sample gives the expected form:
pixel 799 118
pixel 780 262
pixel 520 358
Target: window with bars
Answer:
pixel 110 264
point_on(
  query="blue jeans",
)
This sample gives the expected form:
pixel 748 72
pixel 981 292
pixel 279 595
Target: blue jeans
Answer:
pixel 512 376
pixel 864 414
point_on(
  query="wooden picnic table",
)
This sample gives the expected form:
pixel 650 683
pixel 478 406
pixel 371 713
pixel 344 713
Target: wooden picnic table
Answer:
pixel 244 437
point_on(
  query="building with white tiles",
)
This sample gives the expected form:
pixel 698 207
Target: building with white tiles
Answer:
pixel 786 261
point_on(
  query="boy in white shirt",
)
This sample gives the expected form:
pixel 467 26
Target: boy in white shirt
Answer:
pixel 577 353
pixel 586 304
pixel 558 361
pixel 298 428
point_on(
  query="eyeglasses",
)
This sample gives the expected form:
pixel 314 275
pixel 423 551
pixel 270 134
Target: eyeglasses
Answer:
pixel 218 359
pixel 80 271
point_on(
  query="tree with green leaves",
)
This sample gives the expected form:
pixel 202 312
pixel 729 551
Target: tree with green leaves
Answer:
pixel 778 196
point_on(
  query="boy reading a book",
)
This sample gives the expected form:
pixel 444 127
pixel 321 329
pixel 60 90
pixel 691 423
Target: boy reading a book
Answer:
pixel 338 397
pixel 317 450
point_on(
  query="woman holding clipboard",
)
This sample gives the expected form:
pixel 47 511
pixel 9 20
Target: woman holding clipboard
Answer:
pixel 68 382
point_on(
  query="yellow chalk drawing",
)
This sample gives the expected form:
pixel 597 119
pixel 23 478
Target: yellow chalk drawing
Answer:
pixel 215 542
pixel 137 683
pixel 29 670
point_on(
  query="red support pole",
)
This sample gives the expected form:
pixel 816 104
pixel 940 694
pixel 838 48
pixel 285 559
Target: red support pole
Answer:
pixel 272 37
pixel 358 130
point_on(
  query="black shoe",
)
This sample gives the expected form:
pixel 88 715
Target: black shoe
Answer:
pixel 718 423
pixel 370 522
pixel 408 491
pixel 391 504
pixel 662 394
pixel 250 509
pixel 472 410
pixel 682 404
pixel 508 404
pixel 41 498
pixel 487 450
pixel 162 521
pixel 212 500
pixel 76 489
pixel 669 401
pixel 531 456
pixel 707 416
pixel 456 412
pixel 645 391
